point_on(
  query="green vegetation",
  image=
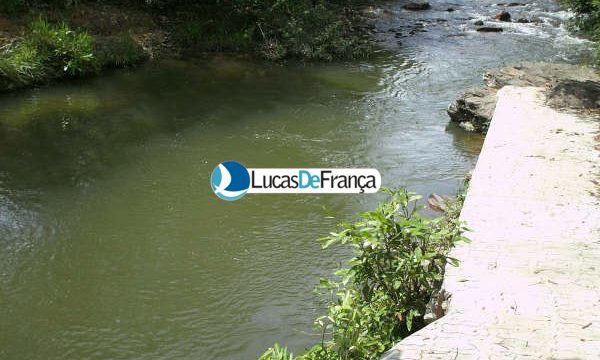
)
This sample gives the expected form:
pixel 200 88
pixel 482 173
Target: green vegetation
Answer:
pixel 323 30
pixel 50 51
pixel 587 18
pixel 118 51
pixel 275 29
pixel 277 352
pixel 47 51
pixel 382 296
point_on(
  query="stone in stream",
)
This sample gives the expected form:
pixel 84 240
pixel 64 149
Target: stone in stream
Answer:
pixel 503 16
pixel 478 23
pixel 437 202
pixel 474 109
pixel 489 29
pixel 416 6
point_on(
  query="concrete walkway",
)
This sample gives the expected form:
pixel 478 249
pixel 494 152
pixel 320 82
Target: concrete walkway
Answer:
pixel 528 286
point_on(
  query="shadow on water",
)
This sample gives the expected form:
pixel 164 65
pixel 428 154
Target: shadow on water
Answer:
pixel 70 134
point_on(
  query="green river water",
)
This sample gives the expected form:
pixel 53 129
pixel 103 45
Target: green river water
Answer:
pixel 112 244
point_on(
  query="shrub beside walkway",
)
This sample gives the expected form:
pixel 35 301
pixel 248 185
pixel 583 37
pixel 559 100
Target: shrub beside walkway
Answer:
pixel 528 286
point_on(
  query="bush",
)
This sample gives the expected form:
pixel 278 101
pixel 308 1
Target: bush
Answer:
pixel 21 66
pixel 277 353
pixel 587 19
pixel 305 30
pixel 46 52
pixel 382 296
pixel 582 6
pixel 211 35
pixel 587 15
pixel 118 51
pixel 275 29
pixel 62 48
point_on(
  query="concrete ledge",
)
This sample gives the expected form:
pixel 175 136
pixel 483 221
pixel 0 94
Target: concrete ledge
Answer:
pixel 528 286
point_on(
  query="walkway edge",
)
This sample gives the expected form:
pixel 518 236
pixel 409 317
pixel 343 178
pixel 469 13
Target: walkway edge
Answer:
pixel 528 284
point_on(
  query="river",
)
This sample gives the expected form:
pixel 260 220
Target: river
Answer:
pixel 112 244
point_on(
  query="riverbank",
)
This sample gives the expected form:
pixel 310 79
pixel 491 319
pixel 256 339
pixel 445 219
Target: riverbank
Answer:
pixel 127 34
pixel 526 284
pixel 46 44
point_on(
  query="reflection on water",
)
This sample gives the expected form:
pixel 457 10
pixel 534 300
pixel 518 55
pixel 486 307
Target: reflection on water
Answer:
pixel 112 243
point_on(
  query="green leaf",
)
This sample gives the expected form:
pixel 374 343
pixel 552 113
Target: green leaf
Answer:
pixel 453 261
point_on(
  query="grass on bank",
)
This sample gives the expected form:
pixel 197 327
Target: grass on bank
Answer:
pixel 320 30
pixel 274 29
pixel 382 296
pixel 49 51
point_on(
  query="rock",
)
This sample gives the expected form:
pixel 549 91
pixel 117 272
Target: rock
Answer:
pixel 525 21
pixel 537 74
pixel 475 106
pixel 437 202
pixel 478 23
pixel 416 6
pixel 567 86
pixel 469 175
pixel 467 126
pixel 503 16
pixel 575 95
pixel 489 29
pixel 515 4
pixel 450 10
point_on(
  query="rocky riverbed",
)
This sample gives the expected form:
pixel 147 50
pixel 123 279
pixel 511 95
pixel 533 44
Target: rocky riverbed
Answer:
pixel 485 34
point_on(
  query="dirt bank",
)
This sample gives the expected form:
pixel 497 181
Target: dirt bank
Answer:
pixel 103 21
